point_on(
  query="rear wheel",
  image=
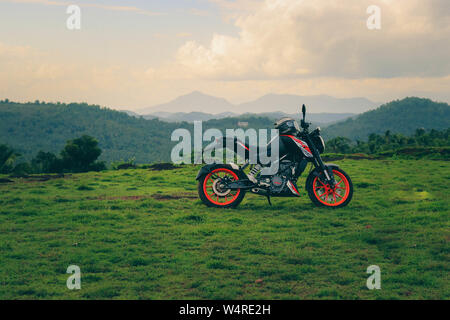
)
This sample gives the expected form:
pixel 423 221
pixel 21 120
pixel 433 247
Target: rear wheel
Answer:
pixel 321 194
pixel 213 194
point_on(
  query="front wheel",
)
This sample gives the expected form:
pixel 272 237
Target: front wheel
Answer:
pixel 321 194
pixel 212 193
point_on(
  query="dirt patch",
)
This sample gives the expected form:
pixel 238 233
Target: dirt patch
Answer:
pixel 332 158
pixel 125 198
pixel 162 197
pixel 355 156
pixel 37 178
pixel 174 196
pixel 125 166
pixel 162 166
pixel 43 178
pixel 360 156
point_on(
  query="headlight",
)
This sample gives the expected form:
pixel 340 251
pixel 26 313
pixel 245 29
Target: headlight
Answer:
pixel 320 144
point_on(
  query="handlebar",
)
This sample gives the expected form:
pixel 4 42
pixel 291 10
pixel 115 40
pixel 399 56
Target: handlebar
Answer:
pixel 305 125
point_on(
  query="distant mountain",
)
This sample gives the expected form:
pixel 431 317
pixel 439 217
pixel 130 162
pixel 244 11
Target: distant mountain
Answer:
pixel 315 104
pixel 188 117
pixel 199 102
pixel 131 113
pixel 400 116
pixel 319 118
pixel 195 101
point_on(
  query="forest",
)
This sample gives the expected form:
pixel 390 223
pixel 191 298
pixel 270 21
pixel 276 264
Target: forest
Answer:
pixel 81 154
pixel 39 126
pixel 35 137
pixel 389 142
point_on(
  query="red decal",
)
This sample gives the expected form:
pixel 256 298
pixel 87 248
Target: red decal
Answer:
pixel 303 144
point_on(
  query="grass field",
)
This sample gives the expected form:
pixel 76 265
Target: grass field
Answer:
pixel 142 234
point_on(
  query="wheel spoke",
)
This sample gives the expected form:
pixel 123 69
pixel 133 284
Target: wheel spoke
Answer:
pixel 321 182
pixel 214 193
pixel 332 197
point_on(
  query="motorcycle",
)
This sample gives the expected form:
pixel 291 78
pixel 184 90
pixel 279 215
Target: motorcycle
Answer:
pixel 327 185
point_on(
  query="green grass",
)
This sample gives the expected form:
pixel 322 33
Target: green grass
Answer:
pixel 140 234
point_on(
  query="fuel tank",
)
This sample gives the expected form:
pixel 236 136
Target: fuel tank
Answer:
pixel 294 147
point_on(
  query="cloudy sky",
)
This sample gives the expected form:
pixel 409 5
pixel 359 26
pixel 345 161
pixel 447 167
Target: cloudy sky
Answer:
pixel 137 53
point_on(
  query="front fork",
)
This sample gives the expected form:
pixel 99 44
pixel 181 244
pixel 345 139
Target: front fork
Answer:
pixel 327 171
pixel 330 176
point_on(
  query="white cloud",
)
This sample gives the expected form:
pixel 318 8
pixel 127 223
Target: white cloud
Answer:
pixel 304 38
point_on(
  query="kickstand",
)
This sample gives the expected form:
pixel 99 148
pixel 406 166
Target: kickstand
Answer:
pixel 268 199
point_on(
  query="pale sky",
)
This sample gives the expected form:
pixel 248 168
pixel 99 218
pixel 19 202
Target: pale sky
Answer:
pixel 138 53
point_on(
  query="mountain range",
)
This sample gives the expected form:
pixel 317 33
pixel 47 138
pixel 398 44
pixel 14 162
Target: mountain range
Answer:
pixel 287 103
pixel 319 118
pixel 31 127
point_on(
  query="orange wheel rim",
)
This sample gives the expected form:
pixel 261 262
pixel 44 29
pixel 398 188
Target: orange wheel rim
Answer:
pixel 212 192
pixel 332 197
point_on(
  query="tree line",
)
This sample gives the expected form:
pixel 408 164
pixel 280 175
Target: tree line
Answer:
pixel 81 154
pixel 405 116
pixel 34 126
pixel 389 141
pixel 78 155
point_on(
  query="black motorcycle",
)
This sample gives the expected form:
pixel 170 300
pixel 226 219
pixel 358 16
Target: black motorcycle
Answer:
pixel 225 185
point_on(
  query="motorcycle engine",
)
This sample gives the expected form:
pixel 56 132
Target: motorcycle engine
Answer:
pixel 285 172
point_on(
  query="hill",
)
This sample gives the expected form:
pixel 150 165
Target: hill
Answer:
pixel 287 103
pixel 400 116
pixel 188 116
pixel 32 127
pixel 316 104
pixel 319 118
pixel 195 101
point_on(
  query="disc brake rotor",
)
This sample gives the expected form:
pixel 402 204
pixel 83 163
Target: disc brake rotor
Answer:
pixel 218 190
